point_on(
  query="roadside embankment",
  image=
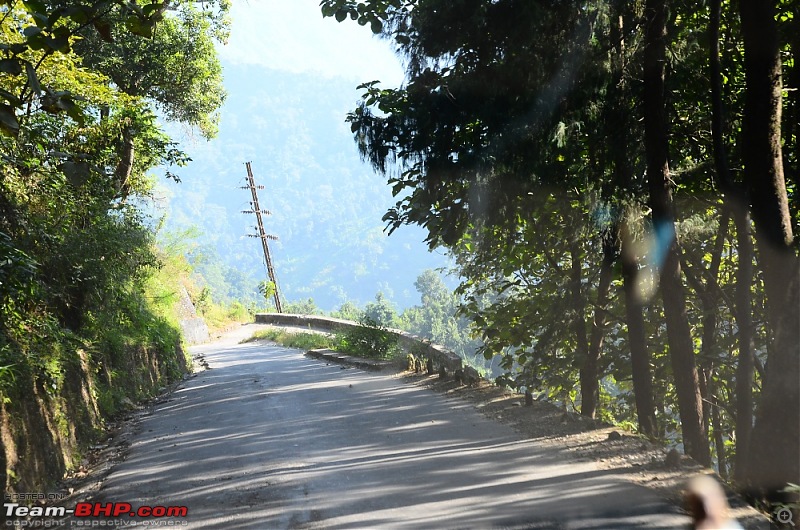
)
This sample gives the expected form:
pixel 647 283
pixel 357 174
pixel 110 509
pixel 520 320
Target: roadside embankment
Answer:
pixel 52 416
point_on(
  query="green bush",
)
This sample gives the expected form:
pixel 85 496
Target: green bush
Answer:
pixel 370 339
pixel 302 307
pixel 348 311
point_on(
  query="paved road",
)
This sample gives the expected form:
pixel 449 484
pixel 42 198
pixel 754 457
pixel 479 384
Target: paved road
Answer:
pixel 269 439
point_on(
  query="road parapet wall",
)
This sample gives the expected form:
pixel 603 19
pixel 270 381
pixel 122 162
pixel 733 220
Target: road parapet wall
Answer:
pixel 419 346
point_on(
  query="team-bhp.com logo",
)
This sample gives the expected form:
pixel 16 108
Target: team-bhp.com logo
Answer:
pixel 121 509
pixel 89 513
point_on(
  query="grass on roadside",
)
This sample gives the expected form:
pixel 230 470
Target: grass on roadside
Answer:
pixel 295 339
pixel 361 341
pixel 220 317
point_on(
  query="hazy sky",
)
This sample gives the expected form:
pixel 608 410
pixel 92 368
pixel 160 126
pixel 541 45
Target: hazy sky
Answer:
pixel 291 35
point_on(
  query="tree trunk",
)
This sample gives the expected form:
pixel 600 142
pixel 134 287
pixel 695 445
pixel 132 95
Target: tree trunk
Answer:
pixel 637 342
pixel 762 135
pixel 736 200
pixel 579 324
pixel 124 168
pixel 774 458
pixel 679 337
pixel 590 377
pixel 792 119
pixel 590 382
pixel 709 294
pixel 617 127
pixel 744 321
pixel 716 422
pixel 617 124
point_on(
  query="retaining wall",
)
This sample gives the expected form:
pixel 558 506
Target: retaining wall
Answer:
pixel 195 331
pixel 193 326
pixel 419 346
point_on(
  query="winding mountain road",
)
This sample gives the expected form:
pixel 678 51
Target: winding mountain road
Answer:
pixel 270 439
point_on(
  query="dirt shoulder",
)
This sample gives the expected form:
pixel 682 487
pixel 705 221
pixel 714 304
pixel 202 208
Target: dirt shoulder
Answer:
pixel 631 456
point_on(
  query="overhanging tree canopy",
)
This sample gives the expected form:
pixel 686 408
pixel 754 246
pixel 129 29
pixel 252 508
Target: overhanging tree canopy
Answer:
pixel 505 98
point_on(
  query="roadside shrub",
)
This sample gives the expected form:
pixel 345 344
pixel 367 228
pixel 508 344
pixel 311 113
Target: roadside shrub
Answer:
pixel 370 339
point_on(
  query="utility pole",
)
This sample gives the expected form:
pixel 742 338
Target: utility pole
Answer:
pixel 262 235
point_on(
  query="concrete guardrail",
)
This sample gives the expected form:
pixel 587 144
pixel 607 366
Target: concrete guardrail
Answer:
pixel 418 346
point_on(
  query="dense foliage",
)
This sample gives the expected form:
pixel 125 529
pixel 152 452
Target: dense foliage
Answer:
pixel 594 167
pixel 82 290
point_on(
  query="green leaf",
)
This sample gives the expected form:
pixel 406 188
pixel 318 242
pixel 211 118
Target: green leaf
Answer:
pixel 341 15
pixel 41 19
pixel 8 120
pixel 33 79
pixel 104 29
pixel 152 8
pixel 376 26
pixel 60 44
pixel 11 98
pixel 75 112
pixel 31 31
pixel 11 66
pixel 76 172
pixel 328 9
pixel 37 42
pixel 35 7
pixel 78 14
pixel 139 26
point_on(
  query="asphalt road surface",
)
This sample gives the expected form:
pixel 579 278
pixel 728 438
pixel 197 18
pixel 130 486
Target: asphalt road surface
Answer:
pixel 270 439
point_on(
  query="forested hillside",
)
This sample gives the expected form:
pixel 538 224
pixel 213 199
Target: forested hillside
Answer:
pixel 326 205
pixel 618 182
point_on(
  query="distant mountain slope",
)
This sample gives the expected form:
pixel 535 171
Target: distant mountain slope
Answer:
pixel 327 205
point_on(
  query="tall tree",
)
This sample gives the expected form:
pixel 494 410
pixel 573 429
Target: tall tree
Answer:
pixel 590 374
pixel 437 318
pixel 176 68
pixel 75 260
pixel 774 458
pixel 735 198
pixel 619 130
pixel 684 368
pixel 505 99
